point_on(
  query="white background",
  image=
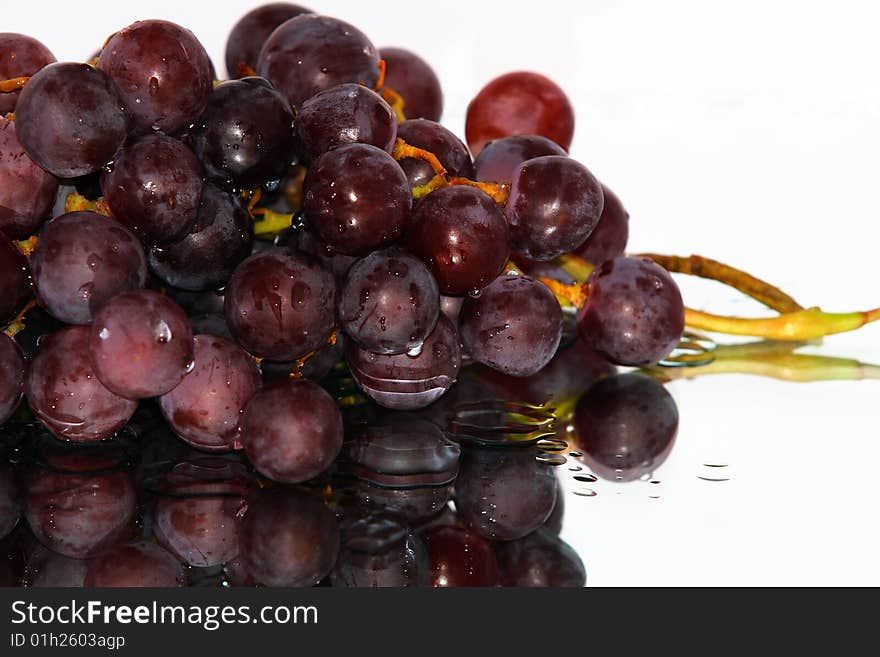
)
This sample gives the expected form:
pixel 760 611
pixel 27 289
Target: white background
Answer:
pixel 748 132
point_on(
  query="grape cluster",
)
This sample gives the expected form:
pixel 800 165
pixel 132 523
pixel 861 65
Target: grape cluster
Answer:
pixel 295 273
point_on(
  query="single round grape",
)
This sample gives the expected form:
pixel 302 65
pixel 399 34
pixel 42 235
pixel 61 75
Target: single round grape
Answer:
pixel 292 431
pixel 400 451
pixel 204 410
pixel 514 326
pixel 347 114
pixel 245 136
pixel 82 260
pixel 12 371
pixel 154 188
pixel 65 394
pixel 554 205
pixel 80 504
pixel 634 313
pixel 71 119
pixel 625 426
pixel 380 551
pixel 459 557
pixel 15 282
pixel 196 520
pixel 10 504
pixel 27 192
pixel 248 35
pixel 433 137
pixel 520 103
pixel 163 73
pixel 500 158
pixel 409 382
pixel 539 560
pixel 139 564
pixel 47 569
pixel 310 53
pixel 141 344
pixel 356 199
pixel 504 495
pixel 462 236
pixel 20 56
pixel 413 78
pixel 219 240
pixel 279 304
pixel 389 303
pixel 288 538
pixel 608 240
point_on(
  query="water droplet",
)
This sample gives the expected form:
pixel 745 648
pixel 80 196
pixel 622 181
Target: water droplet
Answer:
pixel 475 293
pixel 585 492
pixel 104 333
pixel 576 454
pixel 163 333
pixel 552 445
pixel 551 459
pixel 415 351
pixel 586 478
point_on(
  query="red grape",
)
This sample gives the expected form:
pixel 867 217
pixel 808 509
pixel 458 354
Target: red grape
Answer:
pixel 15 283
pixel 539 560
pixel 499 159
pixel 20 55
pixel 248 35
pixel 459 557
pixel 65 394
pixel 141 344
pixel 82 260
pixel 410 76
pixel 433 137
pixel 12 371
pixel 163 73
pixel 205 408
pixel 140 564
pixel 520 103
pixel 279 304
pixel 462 236
pixel 292 431
pixel 608 240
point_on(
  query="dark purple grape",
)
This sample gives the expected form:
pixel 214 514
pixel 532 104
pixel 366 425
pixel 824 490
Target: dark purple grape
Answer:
pixel 154 188
pixel 389 303
pixel 514 326
pixel 196 517
pixel 315 368
pixel 47 569
pixel 626 426
pixel 520 103
pixel 245 136
pixel 65 394
pixel 347 114
pixel 462 236
pixel 504 495
pixel 634 313
pixel 459 557
pixel 539 560
pixel 20 56
pixel 356 199
pixel 205 408
pixel 163 73
pixel 291 431
pixel 10 502
pixel 288 538
pixel 82 260
pixel 410 76
pixel 554 205
pixel 219 240
pixel 81 504
pixel 141 344
pixel 608 240
pixel 12 371
pixel 379 551
pixel 140 565
pixel 310 53
pixel 15 282
pixel 399 451
pixel 27 192
pixel 71 119
pixel 408 382
pixel 433 137
pixel 279 304
pixel 499 159
pixel 248 35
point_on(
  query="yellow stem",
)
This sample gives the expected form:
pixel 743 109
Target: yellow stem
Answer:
pixel 14 84
pixel 801 325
